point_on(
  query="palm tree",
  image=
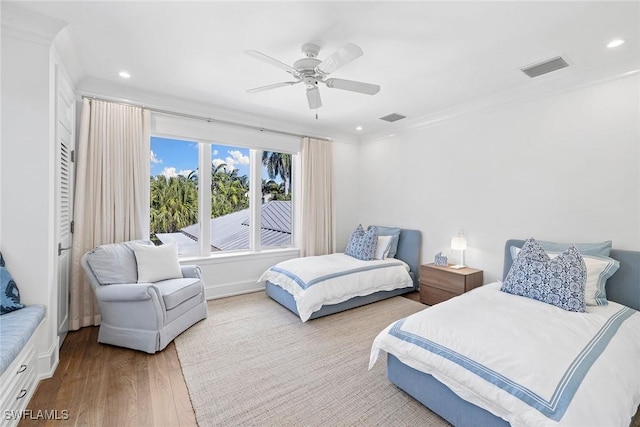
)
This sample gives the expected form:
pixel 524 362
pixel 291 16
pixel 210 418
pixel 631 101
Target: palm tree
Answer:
pixel 278 164
pixel 271 190
pixel 229 192
pixel 193 176
pixel 174 203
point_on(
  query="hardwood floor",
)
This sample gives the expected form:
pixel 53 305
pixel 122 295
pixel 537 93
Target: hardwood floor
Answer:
pixel 103 385
pixel 415 296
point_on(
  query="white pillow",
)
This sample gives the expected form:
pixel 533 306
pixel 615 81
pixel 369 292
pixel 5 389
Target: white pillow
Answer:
pixel 157 263
pixel 382 249
pixel 599 269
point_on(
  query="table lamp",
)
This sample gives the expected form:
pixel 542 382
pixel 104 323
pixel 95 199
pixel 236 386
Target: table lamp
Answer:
pixel 459 243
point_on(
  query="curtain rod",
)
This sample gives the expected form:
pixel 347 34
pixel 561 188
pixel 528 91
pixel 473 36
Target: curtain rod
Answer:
pixel 206 119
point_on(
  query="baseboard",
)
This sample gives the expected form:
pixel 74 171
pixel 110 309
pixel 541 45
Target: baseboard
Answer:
pixel 48 361
pixel 232 289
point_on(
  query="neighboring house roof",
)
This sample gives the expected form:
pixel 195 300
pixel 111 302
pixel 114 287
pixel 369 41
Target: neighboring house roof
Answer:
pixel 231 231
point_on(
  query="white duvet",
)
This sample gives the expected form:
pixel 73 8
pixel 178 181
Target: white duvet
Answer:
pixel 330 279
pixel 525 361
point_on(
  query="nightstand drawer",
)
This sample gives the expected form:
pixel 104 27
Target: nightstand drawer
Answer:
pixel 439 283
pixel 444 280
pixel 431 296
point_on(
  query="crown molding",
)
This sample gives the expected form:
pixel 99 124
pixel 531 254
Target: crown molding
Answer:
pixel 65 50
pixel 546 86
pixel 28 26
pixel 98 88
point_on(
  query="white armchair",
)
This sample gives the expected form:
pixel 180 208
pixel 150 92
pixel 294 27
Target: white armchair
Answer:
pixel 141 316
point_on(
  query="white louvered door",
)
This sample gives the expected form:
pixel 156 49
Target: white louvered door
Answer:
pixel 65 142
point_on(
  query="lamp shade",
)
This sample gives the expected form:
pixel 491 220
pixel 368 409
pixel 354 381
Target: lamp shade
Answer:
pixel 459 243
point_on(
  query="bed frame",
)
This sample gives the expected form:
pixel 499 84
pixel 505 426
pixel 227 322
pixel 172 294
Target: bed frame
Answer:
pixel 623 287
pixel 409 244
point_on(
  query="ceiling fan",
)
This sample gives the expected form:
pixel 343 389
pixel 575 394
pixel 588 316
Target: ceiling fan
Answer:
pixel 311 71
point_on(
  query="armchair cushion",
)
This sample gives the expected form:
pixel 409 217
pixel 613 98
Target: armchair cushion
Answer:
pixel 192 271
pixel 115 263
pixel 176 291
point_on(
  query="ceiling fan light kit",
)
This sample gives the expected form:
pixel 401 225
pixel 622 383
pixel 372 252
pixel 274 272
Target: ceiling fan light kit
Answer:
pixel 310 70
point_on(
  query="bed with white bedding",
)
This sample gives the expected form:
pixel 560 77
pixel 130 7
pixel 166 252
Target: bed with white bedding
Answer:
pixel 316 286
pixel 491 358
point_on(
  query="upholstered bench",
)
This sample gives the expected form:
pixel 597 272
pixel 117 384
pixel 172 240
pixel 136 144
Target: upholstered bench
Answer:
pixel 18 359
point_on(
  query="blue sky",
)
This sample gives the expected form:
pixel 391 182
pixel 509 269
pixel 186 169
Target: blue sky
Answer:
pixel 172 157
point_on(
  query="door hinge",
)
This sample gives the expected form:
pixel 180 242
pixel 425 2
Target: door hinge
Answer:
pixel 73 223
pixel 73 156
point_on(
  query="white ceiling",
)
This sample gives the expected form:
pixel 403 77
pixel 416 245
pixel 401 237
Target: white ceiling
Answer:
pixel 427 56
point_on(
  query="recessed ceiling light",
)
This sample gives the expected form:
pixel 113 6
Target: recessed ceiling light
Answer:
pixel 358 127
pixel 615 43
pixel 124 74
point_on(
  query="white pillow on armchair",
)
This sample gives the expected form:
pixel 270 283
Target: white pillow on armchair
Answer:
pixel 156 263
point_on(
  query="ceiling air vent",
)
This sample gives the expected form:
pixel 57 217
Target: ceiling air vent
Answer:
pixel 393 117
pixel 545 67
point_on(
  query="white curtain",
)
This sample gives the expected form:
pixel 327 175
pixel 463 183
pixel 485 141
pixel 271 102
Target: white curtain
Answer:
pixel 112 191
pixel 317 197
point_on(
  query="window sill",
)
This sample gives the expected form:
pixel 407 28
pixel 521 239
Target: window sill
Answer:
pixel 222 257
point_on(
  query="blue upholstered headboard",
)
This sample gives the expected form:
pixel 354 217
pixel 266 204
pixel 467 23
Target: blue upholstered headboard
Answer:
pixel 409 246
pixel 623 287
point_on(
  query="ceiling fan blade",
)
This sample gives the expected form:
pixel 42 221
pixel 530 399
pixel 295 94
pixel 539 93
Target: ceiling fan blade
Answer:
pixel 360 87
pixel 273 86
pixel 313 96
pixel 340 58
pixel 272 61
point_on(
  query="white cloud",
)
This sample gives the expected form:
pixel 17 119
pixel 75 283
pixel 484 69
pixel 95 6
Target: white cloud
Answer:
pixel 236 158
pixel 239 157
pixel 231 164
pixel 217 162
pixel 170 172
pixel 154 159
pixel 214 152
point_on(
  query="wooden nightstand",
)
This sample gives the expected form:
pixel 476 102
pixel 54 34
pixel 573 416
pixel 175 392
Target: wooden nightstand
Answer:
pixel 439 283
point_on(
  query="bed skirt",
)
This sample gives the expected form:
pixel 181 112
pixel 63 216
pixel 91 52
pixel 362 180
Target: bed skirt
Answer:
pixel 283 297
pixel 438 397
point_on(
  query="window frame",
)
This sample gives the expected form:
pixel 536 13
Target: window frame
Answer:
pixel 205 135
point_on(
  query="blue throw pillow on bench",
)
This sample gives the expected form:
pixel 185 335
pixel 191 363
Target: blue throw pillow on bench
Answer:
pixel 10 295
pixel 362 244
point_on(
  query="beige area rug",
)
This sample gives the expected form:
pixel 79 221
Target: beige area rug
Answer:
pixel 252 362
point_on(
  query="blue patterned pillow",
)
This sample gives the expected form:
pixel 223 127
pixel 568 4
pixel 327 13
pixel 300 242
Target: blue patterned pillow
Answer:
pixel 9 291
pixel 359 231
pixel 362 244
pixel 559 281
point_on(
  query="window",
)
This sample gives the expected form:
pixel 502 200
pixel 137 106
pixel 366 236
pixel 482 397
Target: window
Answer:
pixel 174 193
pixel 211 215
pixel 276 206
pixel 230 186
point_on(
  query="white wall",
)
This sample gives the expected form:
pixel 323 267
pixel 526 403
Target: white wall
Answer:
pixel 563 168
pixel 28 157
pixel 346 166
